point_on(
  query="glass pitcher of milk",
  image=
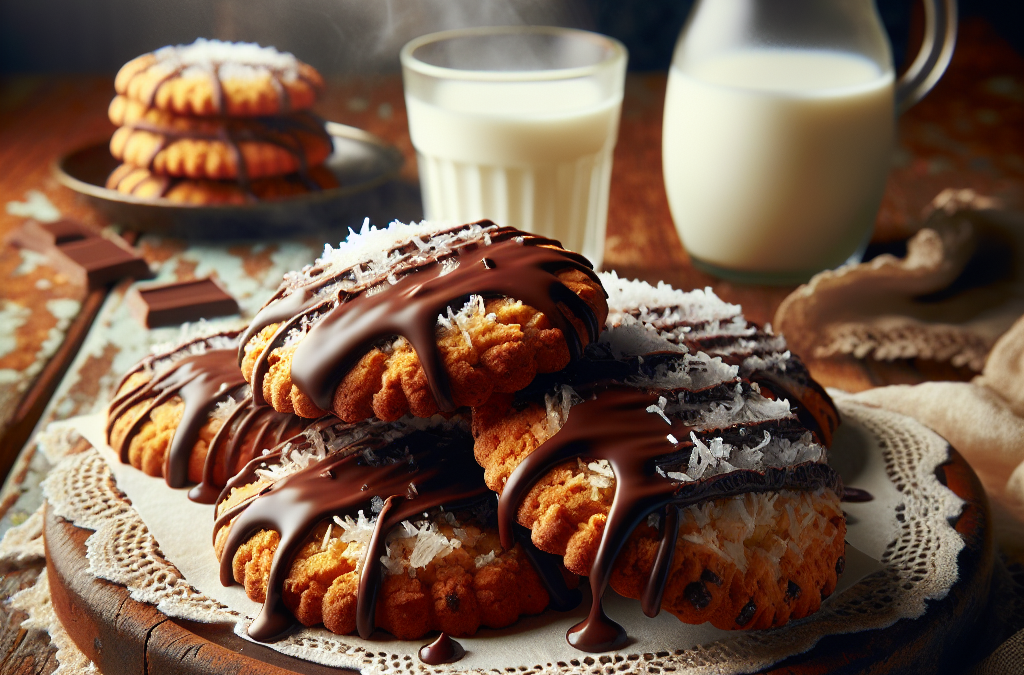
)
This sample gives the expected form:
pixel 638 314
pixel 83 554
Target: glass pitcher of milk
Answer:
pixel 779 122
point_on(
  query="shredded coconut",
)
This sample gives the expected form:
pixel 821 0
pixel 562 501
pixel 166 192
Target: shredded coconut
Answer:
pixel 244 60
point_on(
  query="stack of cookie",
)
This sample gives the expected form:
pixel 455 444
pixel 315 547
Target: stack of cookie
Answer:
pixel 218 123
pixel 486 417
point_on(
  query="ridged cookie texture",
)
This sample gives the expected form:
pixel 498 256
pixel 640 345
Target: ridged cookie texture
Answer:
pixel 185 413
pixel 210 77
pixel 216 148
pixel 417 319
pixel 144 184
pixel 666 473
pixel 373 525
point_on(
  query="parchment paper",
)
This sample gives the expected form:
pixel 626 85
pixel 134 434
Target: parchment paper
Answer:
pixel 184 531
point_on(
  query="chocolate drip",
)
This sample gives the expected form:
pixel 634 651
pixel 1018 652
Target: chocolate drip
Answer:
pixel 217 87
pixel 615 425
pixel 654 589
pixel 437 470
pixel 248 431
pixel 201 381
pixel 856 495
pixel 288 309
pixel 351 321
pixel 442 650
pixel 549 569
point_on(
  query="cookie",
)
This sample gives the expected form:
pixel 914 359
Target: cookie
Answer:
pixel 698 321
pixel 215 148
pixel 210 77
pixel 186 414
pixel 417 319
pixel 144 184
pixel 373 525
pixel 641 447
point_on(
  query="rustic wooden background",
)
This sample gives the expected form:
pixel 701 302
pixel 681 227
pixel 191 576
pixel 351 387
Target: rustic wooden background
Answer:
pixel 62 348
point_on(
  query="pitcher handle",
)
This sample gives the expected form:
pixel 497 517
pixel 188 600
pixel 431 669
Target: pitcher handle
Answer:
pixel 936 51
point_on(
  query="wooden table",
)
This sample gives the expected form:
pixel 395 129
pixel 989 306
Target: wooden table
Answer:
pixel 62 348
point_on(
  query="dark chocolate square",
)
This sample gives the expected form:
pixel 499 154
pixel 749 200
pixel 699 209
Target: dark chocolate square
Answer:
pixel 97 261
pixel 180 301
pixel 42 237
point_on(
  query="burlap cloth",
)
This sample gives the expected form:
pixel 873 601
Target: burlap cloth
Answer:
pixel 958 296
pixel 958 288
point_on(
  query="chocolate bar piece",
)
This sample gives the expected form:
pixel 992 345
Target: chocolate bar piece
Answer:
pixel 42 237
pixel 180 301
pixel 97 261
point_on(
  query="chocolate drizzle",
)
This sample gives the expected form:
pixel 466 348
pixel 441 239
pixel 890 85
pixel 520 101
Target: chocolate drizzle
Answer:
pixel 248 431
pixel 856 495
pixel 615 425
pixel 217 84
pixel 201 380
pixel 284 132
pixel 413 474
pixel 789 380
pixel 350 321
pixel 812 404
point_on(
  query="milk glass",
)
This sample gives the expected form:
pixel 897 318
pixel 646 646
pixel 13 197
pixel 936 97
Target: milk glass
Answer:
pixel 517 124
pixel 778 128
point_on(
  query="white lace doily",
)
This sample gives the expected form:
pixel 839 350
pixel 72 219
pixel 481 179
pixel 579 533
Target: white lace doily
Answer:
pixel 920 565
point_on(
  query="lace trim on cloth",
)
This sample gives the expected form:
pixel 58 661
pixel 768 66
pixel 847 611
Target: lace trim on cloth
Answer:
pixel 920 565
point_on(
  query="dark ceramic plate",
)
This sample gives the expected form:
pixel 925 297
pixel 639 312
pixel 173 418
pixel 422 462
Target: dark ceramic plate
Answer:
pixel 360 160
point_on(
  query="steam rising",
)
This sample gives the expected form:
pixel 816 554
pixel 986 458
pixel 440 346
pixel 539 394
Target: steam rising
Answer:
pixel 350 36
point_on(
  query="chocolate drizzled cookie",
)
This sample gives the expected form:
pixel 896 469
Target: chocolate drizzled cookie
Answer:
pixel 218 123
pixel 421 319
pixel 242 148
pixel 211 77
pixel 187 414
pixel 372 525
pixel 670 475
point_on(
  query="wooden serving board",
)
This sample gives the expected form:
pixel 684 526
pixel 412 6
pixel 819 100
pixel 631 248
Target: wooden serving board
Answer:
pixel 123 636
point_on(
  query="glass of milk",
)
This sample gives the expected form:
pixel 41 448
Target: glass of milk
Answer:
pixel 779 122
pixel 517 124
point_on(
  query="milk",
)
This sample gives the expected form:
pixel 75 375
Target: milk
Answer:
pixel 775 160
pixel 533 155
